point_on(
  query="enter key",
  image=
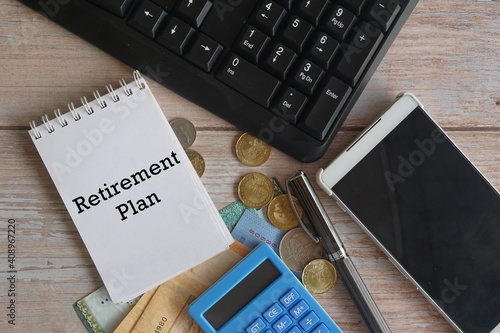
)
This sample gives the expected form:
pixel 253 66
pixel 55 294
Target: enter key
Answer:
pixel 326 108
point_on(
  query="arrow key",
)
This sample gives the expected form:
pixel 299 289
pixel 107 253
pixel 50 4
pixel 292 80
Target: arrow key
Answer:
pixel 269 17
pixel 175 36
pixel 279 60
pixel 147 19
pixel 204 52
pixel 323 49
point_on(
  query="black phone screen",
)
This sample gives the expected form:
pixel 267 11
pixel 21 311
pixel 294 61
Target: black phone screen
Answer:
pixel 436 215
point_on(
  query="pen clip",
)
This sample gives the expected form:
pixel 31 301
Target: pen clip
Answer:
pixel 311 235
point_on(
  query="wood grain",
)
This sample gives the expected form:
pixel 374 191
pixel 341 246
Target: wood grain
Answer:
pixel 448 54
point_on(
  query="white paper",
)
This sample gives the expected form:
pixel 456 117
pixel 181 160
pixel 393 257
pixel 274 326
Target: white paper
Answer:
pixel 176 225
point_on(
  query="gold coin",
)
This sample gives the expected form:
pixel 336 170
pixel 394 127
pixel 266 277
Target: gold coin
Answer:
pixel 280 213
pixel 255 190
pixel 297 249
pixel 197 161
pixel 252 151
pixel 319 276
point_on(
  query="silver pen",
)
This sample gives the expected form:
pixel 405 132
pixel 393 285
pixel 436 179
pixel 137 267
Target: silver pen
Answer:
pixel 325 234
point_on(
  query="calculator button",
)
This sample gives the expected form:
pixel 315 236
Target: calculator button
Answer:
pixel 299 309
pixel 309 321
pixel 257 326
pixel 289 298
pixel 321 329
pixel 294 329
pixel 271 313
pixel 282 324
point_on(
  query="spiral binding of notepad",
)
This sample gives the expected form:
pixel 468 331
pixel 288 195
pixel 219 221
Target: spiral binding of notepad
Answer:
pixel 86 105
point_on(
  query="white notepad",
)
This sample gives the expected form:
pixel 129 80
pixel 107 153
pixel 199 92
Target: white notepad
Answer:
pixel 137 202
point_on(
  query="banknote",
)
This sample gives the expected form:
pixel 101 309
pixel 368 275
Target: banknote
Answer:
pixel 252 230
pixel 166 312
pixel 98 313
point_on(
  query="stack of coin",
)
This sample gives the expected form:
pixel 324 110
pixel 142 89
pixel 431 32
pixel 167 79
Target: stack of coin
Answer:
pixel 186 134
pixel 252 151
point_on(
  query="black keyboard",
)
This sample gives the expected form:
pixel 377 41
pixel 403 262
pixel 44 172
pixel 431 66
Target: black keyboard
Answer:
pixel 287 71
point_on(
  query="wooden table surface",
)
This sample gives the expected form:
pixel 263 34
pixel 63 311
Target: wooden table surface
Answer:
pixel 448 55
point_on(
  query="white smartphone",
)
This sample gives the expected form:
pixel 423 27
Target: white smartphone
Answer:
pixel 428 208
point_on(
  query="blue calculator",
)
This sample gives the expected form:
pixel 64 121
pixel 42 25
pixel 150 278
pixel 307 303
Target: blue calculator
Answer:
pixel 260 295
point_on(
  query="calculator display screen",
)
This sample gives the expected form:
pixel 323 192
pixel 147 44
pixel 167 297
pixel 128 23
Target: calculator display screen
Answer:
pixel 242 294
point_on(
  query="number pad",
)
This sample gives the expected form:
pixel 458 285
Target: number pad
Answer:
pixel 299 49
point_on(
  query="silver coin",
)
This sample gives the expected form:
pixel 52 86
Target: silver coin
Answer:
pixel 296 249
pixel 184 130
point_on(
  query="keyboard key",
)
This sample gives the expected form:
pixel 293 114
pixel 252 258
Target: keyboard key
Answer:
pixel 355 55
pixel 289 298
pixel 175 35
pixel 290 104
pixel 204 52
pixel 117 7
pixel 257 326
pixel 279 61
pixel 251 43
pixel 307 76
pixel 322 49
pixel 248 79
pixel 326 108
pixel 282 324
pixel 339 22
pixel 296 32
pixel 273 311
pixel 308 322
pixel 354 6
pixel 384 12
pixel 299 309
pixel 312 10
pixel 166 4
pixel 224 21
pixel 285 3
pixel 193 11
pixel 147 18
pixel 269 17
